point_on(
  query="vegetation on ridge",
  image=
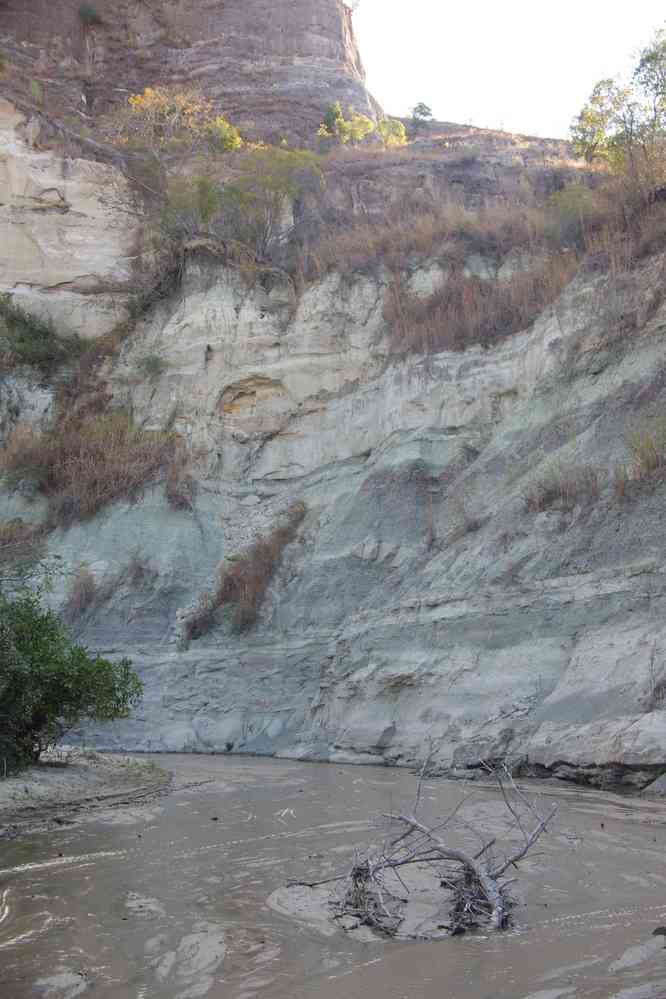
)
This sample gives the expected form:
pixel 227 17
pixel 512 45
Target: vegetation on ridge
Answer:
pixel 624 125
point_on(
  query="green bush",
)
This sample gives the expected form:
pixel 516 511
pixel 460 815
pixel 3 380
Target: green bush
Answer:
pixel 252 208
pixel 392 132
pixel 48 684
pixel 192 204
pixel 571 213
pixel 151 366
pixel 89 15
pixel 352 129
pixel 28 339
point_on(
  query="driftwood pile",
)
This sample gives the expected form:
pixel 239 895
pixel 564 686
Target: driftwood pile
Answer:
pixel 474 879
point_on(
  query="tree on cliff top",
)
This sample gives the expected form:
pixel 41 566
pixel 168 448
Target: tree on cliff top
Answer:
pixel 625 125
pixel 345 130
pixel 421 115
pixel 48 684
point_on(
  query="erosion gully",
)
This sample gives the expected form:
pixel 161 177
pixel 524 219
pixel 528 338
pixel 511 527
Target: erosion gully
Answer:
pixel 170 899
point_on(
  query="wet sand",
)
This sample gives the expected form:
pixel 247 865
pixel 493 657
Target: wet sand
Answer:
pixel 169 898
pixel 67 785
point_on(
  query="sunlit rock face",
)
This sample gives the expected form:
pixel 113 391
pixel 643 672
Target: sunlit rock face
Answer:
pixel 273 65
pixel 68 232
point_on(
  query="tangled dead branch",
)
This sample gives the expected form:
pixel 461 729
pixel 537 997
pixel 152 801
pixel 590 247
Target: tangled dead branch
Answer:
pixel 376 891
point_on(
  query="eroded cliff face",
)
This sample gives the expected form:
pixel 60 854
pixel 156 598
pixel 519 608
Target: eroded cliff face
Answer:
pixel 274 66
pixel 69 232
pixel 423 601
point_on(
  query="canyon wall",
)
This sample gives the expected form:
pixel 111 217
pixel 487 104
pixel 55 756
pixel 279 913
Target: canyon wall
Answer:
pixel 273 66
pixel 425 604
pixel 423 600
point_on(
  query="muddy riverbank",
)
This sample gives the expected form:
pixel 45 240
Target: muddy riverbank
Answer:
pixel 67 786
pixel 175 897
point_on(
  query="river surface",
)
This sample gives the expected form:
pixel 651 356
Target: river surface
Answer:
pixel 169 900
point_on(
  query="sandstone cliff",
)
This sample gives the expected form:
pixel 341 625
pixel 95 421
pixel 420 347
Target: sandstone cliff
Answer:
pixel 274 66
pixel 423 600
pixel 428 599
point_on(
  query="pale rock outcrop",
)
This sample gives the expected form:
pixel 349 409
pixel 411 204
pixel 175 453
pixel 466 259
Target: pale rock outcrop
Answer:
pixel 422 601
pixel 69 233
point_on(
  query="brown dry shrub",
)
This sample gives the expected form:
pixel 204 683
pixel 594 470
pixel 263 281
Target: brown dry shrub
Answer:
pixel 179 485
pixel 647 467
pixel 138 570
pixel 19 541
pixel 647 447
pixel 83 594
pixel 81 466
pixel 566 486
pixel 651 235
pixel 621 482
pixel 451 231
pixel 469 310
pixel 246 582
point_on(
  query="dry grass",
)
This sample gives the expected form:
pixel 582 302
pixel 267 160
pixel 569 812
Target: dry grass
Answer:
pixel 647 467
pixel 244 585
pixel 19 541
pixel 138 571
pixel 564 486
pixel 450 232
pixel 622 482
pixel 179 485
pixel 83 594
pixel 469 310
pixel 647 447
pixel 82 465
pixel 464 520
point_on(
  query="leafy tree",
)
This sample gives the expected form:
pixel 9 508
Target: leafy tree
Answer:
pixel 392 132
pixel 192 204
pixel 592 130
pixel 48 684
pixel 333 124
pixel 353 129
pixel 650 75
pixel 421 115
pixel 173 119
pixel 88 15
pixel 252 208
pixel 626 125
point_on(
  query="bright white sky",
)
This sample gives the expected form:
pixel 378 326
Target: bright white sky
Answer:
pixel 523 65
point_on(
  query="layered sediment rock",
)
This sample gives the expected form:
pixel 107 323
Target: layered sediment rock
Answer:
pixel 274 66
pixel 423 601
pixel 69 235
pixel 426 603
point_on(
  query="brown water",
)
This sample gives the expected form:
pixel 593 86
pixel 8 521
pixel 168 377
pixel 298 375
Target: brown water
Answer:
pixel 169 900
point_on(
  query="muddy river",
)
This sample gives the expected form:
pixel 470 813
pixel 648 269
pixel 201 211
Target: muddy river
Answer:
pixel 170 899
